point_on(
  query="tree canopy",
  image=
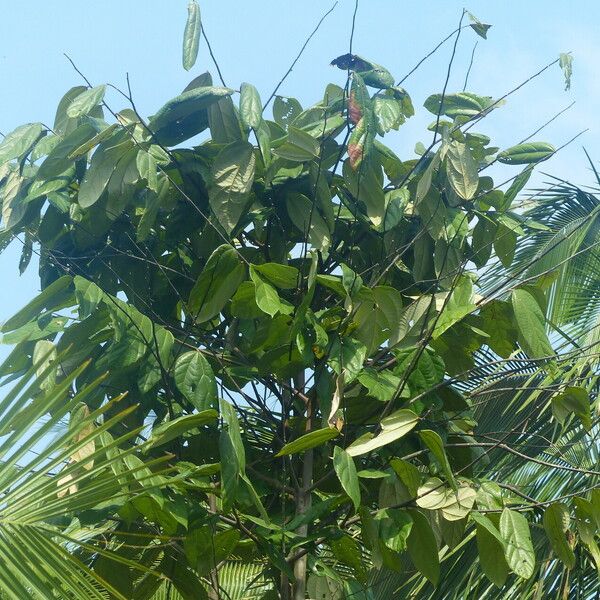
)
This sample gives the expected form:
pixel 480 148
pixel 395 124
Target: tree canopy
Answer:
pixel 285 362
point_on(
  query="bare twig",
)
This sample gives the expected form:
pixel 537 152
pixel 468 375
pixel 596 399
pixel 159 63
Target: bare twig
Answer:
pixel 298 56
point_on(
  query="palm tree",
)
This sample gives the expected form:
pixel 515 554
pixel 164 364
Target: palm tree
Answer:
pixel 60 462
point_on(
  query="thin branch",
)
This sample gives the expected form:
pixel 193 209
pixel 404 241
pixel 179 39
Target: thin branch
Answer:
pixel 299 55
pixel 214 59
pixel 470 66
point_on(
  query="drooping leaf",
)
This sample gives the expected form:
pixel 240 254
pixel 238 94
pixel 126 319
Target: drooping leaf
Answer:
pixel 250 106
pixel 565 62
pixel 422 547
pixel 461 168
pixel 434 442
pixel 191 35
pixel 216 284
pixel 531 324
pixel 573 401
pixel 345 470
pixel 233 175
pixel 556 524
pixel 519 552
pixel 490 547
pixel 307 220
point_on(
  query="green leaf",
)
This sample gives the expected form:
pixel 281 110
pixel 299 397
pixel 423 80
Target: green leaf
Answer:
pixel 44 354
pixel 556 524
pixel 381 385
pixel 233 431
pixel 347 355
pixel 395 526
pixel 103 165
pixel 490 547
pixel 18 143
pixel 191 35
pixel 11 200
pixel 216 284
pixel 463 104
pixel 230 470
pixel 573 400
pixel 51 298
pixel 284 277
pixel 454 505
pixel 309 440
pixel 86 101
pixel 170 430
pixel 505 244
pixel 233 175
pixel 422 547
pixel 520 555
pixel 524 154
pixel 531 325
pixel 206 548
pixel 345 470
pixel 397 425
pixel 185 116
pixel 434 442
pixel 298 146
pixel 388 113
pixel 93 142
pixel 250 106
pixel 408 474
pixel 516 186
pixel 267 298
pixel 285 110
pixel 224 123
pixel 373 74
pixel 308 220
pixel 461 169
pixel 195 379
pixel 458 306
pixel 565 62
pixel 478 27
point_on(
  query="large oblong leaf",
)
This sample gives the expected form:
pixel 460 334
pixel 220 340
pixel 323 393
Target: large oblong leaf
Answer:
pixel 394 427
pixel 195 379
pixel 171 429
pixel 556 523
pixel 185 115
pixel 216 284
pixel 233 175
pixel 309 440
pixel 191 35
pixel 524 154
pixel 461 169
pixel 345 469
pixel 531 324
pixel 250 105
pixel 19 142
pixel 86 101
pixel 520 555
pixel 422 547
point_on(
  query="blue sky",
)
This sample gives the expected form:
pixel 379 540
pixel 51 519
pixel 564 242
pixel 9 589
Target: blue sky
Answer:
pixel 256 41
